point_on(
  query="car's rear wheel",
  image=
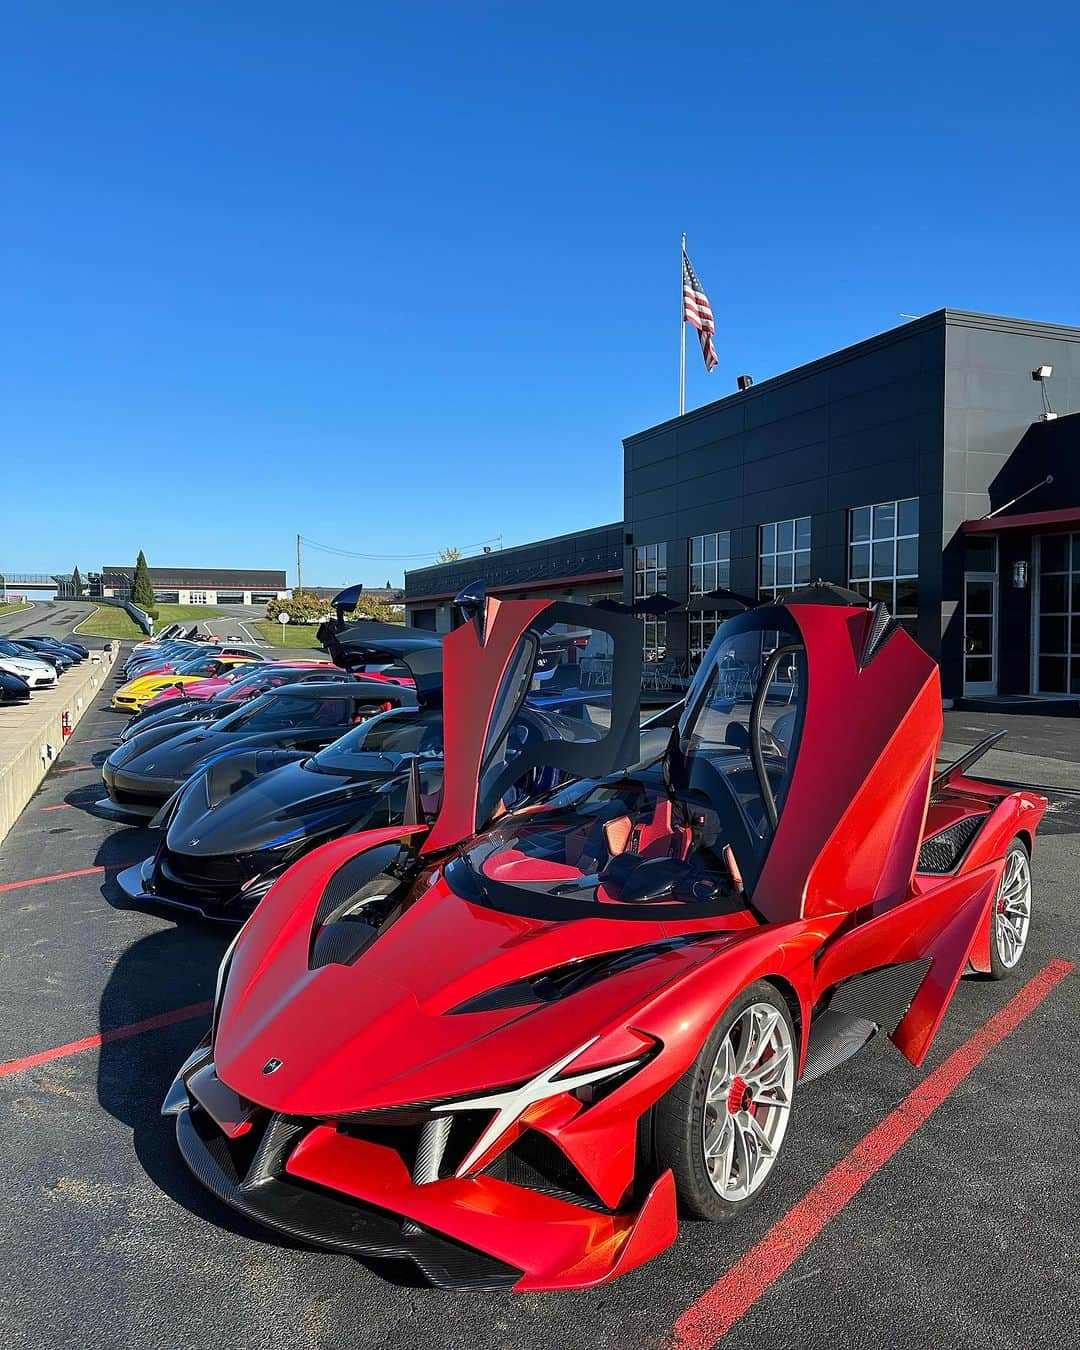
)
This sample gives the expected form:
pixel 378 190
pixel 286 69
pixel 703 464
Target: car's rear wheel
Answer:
pixel 1010 918
pixel 720 1128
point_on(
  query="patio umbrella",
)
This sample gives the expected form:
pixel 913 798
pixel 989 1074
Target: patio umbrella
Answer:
pixel 823 593
pixel 730 601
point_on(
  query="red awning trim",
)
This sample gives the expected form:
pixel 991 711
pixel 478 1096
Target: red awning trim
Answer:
pixel 1068 518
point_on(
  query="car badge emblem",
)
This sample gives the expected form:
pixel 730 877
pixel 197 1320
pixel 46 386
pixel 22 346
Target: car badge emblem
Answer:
pixel 271 1066
pixel 193 841
pixel 149 766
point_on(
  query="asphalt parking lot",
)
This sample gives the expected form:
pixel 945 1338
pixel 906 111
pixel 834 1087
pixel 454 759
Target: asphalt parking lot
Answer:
pixel 912 1208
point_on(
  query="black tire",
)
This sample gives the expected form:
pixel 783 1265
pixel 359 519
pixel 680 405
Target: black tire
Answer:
pixel 680 1115
pixel 999 970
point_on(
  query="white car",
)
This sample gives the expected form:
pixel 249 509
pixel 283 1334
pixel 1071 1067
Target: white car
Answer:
pixel 37 674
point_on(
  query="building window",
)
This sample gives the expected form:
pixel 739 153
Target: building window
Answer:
pixel 650 570
pixel 1059 614
pixel 710 562
pixel 783 556
pixel 710 567
pixel 883 556
pixel 650 578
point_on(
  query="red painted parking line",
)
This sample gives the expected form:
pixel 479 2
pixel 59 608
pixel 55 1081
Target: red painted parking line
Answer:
pixel 712 1315
pixel 75 768
pixel 56 876
pixel 63 806
pixel 120 1033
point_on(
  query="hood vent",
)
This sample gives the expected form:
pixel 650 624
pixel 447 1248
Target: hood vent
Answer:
pixel 361 898
pixel 561 981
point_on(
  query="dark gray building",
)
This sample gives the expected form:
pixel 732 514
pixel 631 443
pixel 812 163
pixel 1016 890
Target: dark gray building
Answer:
pixel 863 468
pixel 583 566
pixel 875 467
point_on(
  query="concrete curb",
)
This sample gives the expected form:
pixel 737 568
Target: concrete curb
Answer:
pixel 32 736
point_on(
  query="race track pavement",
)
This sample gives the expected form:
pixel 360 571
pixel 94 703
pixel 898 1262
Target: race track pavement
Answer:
pixel 912 1208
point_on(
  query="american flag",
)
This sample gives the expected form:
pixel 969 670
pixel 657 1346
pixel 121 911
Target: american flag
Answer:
pixel 698 311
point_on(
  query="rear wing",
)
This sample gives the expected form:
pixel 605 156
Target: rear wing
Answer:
pixel 966 760
pixel 369 641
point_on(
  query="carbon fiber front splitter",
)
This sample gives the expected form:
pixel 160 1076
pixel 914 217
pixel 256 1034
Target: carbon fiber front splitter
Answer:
pixel 136 883
pixel 312 1215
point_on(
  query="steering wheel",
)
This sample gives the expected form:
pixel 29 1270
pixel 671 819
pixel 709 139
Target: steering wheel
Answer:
pixel 523 734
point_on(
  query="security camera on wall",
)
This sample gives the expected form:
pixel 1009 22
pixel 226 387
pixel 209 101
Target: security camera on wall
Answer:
pixel 1042 372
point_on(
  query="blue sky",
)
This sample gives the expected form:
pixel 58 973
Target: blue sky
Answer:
pixel 402 276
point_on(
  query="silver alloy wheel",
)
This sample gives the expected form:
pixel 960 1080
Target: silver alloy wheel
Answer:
pixel 1012 908
pixel 748 1101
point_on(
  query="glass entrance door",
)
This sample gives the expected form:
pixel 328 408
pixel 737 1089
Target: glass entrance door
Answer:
pixel 1057 646
pixel 980 633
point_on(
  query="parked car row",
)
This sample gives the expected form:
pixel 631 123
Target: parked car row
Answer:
pixel 29 663
pixel 520 980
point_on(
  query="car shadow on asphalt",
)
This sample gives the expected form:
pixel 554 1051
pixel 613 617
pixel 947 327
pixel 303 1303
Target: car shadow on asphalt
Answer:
pixel 122 849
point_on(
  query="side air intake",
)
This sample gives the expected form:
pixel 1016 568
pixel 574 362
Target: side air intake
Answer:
pixel 857 1010
pixel 944 850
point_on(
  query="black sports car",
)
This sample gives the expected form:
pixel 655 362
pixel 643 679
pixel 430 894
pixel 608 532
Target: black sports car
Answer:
pixel 13 688
pixel 52 647
pixel 78 647
pixel 259 680
pixel 236 826
pixel 141 775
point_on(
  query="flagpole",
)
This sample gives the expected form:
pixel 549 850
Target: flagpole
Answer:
pixel 682 332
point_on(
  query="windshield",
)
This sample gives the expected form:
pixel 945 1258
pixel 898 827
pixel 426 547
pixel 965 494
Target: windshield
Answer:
pixel 385 743
pixel 280 712
pixel 203 665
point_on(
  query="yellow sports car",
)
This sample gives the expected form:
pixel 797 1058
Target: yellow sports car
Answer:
pixel 132 697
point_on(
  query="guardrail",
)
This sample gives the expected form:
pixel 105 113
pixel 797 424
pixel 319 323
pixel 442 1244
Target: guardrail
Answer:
pixel 141 617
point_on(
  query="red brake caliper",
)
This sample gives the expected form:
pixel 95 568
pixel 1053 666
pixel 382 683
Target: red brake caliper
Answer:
pixel 740 1097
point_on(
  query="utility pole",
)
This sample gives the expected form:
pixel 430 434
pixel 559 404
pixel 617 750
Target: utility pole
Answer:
pixel 299 566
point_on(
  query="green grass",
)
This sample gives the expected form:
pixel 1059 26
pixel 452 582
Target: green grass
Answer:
pixel 295 635
pixel 109 621
pixel 13 609
pixel 168 614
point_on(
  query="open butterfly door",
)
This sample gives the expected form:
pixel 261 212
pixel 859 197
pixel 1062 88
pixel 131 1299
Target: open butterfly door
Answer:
pixel 507 649
pixel 854 808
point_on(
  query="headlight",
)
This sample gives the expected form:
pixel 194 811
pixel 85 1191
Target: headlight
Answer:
pixel 510 1104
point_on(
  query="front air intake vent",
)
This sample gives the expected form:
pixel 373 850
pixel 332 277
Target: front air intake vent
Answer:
pixel 536 1163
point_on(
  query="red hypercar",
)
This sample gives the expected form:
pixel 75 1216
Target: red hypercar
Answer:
pixel 510 1047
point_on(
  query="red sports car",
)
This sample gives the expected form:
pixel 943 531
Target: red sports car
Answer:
pixel 510 1047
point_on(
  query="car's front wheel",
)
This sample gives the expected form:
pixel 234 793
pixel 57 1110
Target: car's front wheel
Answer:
pixel 720 1128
